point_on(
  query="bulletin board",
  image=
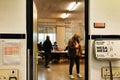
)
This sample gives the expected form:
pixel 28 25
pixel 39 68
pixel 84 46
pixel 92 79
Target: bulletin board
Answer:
pixel 107 49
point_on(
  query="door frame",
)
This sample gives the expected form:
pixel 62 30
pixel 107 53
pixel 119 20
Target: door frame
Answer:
pixel 86 39
pixel 29 28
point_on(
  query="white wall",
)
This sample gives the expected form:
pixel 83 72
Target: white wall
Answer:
pixel 107 11
pixel 13 20
pixel 12 16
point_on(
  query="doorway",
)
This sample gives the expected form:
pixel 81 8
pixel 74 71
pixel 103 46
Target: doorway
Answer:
pixel 68 28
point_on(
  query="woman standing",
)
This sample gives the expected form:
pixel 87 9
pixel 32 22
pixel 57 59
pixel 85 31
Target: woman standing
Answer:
pixel 74 50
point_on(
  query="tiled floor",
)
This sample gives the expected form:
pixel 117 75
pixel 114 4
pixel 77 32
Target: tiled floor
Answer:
pixel 58 71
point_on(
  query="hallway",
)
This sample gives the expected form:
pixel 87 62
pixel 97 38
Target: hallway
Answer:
pixel 58 72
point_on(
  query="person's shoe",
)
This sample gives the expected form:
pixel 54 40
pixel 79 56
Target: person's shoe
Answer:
pixel 79 75
pixel 71 76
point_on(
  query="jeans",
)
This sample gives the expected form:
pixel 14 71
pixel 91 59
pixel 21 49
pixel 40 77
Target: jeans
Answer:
pixel 73 60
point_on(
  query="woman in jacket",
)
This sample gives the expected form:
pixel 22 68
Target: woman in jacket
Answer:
pixel 74 51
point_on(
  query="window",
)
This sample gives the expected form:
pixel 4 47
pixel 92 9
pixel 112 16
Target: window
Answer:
pixel 44 31
pixel 42 37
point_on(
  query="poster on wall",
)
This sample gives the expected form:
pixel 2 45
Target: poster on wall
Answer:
pixel 11 50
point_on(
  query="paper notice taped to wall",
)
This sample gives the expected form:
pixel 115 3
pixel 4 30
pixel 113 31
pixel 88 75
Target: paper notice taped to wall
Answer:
pixel 11 52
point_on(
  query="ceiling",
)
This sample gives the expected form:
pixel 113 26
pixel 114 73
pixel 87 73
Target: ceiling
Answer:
pixel 51 10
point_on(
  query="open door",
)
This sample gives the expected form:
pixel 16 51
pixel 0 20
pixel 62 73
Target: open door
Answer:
pixel 31 40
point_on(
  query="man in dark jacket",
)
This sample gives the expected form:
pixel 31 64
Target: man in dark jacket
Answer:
pixel 47 45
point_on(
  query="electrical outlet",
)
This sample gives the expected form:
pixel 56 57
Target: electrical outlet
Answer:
pixel 5 74
pixel 105 72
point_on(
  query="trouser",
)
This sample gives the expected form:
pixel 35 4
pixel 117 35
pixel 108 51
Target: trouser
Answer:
pixel 47 58
pixel 72 61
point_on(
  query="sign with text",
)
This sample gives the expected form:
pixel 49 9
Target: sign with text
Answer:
pixel 11 50
pixel 107 49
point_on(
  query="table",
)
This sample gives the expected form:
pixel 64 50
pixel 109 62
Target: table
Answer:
pixel 56 55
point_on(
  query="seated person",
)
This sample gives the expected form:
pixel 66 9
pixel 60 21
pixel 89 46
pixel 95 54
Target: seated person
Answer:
pixel 56 57
pixel 40 46
pixel 55 46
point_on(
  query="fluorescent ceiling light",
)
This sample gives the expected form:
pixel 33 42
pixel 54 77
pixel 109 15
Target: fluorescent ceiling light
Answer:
pixel 73 6
pixel 64 15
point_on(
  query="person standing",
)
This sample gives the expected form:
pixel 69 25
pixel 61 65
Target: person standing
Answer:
pixel 74 51
pixel 47 45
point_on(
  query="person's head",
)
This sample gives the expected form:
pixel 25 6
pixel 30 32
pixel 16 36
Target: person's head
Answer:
pixel 76 36
pixel 47 37
pixel 55 43
pixel 40 42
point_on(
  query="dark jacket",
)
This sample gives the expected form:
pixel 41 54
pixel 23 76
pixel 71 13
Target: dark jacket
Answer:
pixel 47 45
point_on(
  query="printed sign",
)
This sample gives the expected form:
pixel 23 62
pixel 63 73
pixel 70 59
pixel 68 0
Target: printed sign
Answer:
pixel 107 49
pixel 11 51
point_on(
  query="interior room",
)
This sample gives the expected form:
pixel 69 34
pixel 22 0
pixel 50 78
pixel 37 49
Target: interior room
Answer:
pixel 21 29
pixel 60 21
